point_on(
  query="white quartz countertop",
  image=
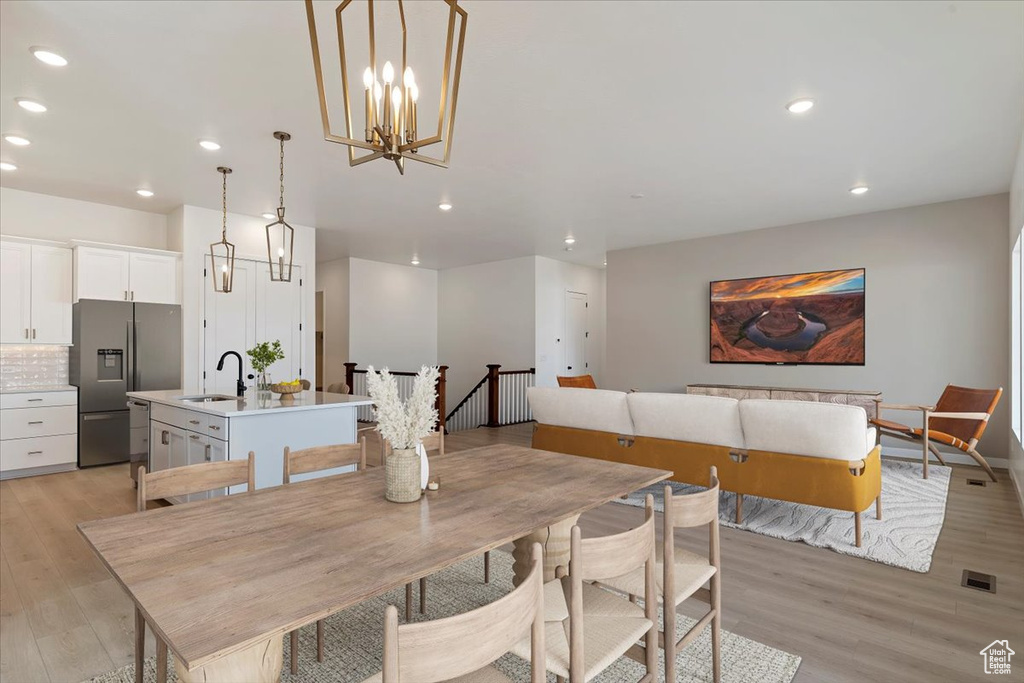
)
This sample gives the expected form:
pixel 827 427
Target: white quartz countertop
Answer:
pixel 251 405
pixel 38 389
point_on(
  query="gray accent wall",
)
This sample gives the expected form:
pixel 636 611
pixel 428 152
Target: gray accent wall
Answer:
pixel 937 297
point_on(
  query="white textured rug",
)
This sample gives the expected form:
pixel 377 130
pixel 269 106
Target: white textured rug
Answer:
pixel 913 510
pixel 353 639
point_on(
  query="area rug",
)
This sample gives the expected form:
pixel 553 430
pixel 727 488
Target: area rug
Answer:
pixel 913 510
pixel 353 639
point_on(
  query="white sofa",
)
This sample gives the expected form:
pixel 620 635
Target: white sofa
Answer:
pixel 814 453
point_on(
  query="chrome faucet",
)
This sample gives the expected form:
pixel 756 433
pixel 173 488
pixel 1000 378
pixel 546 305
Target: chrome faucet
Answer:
pixel 240 386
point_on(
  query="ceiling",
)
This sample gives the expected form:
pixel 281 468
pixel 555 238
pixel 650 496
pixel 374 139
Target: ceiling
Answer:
pixel 566 109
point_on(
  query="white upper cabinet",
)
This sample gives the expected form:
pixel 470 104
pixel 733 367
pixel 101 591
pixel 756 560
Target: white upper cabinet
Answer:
pixel 121 275
pixel 51 295
pixel 153 278
pixel 101 274
pixel 15 293
pixel 35 293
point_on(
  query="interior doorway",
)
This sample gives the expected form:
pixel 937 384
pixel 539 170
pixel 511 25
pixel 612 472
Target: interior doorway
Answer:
pixel 575 361
pixel 320 341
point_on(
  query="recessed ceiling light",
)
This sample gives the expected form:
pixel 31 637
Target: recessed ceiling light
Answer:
pixel 415 261
pixel 6 166
pixel 269 216
pixel 859 189
pixel 144 193
pixel 444 206
pixel 48 56
pixel 17 140
pixel 209 145
pixel 636 195
pixel 800 106
pixel 31 105
pixel 570 240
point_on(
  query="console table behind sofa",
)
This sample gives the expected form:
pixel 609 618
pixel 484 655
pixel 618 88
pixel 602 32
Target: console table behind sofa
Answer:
pixel 868 400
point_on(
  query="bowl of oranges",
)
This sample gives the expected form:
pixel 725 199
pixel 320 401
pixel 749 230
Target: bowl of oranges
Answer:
pixel 287 390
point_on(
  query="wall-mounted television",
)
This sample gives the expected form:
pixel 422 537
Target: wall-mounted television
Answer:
pixel 806 318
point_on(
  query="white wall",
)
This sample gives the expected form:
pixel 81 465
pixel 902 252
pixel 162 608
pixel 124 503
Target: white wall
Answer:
pixel 554 279
pixel 936 304
pixel 1016 450
pixel 43 216
pixel 392 315
pixel 332 279
pixel 197 229
pixel 485 315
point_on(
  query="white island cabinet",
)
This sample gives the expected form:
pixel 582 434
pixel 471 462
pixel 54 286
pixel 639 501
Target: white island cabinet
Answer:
pixel 187 432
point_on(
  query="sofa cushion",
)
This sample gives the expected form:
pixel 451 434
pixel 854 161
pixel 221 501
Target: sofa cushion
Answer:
pixel 596 409
pixel 822 430
pixel 684 417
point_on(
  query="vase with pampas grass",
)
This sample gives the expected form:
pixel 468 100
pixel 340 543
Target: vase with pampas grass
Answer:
pixel 403 424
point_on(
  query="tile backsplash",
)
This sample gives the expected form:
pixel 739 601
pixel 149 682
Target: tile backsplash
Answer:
pixel 35 365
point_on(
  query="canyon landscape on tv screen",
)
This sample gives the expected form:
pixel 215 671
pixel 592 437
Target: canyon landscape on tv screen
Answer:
pixel 815 318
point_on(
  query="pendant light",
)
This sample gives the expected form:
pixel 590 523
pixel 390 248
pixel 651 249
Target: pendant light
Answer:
pixel 222 253
pixel 280 235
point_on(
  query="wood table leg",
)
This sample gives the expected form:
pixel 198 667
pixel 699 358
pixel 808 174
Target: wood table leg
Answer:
pixel 553 539
pixel 161 661
pixel 140 644
pixel 260 663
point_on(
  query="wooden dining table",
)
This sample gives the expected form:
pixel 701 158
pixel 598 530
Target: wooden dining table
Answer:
pixel 222 581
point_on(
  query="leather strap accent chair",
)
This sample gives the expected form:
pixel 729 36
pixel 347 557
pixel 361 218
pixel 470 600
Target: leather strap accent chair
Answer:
pixel 958 420
pixel 578 381
pixel 819 454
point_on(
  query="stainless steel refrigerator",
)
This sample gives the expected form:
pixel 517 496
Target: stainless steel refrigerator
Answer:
pixel 119 346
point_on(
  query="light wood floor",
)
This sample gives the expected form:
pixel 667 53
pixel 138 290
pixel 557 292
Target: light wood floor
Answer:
pixel 63 619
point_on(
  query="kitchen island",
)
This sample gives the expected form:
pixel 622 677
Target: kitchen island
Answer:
pixel 188 429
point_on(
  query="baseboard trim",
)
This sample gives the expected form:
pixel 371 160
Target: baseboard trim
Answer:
pixel 956 458
pixel 1019 486
pixel 36 471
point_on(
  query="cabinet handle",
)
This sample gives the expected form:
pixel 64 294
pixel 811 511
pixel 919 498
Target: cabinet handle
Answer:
pixel 33 333
pixel 207 452
pixel 133 295
pixel 26 333
pixel 194 436
pixel 193 422
pixel 33 400
pixel 126 295
pixel 163 437
pixel 35 452
pixel 35 422
pixel 214 427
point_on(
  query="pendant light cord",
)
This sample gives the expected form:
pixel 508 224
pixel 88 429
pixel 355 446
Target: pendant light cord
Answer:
pixel 281 204
pixel 224 207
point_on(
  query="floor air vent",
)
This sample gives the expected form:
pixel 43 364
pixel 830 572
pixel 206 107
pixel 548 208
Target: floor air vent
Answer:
pixel 977 482
pixel 979 581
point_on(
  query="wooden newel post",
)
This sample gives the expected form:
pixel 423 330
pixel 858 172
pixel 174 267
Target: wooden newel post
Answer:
pixel 492 396
pixel 350 377
pixel 440 401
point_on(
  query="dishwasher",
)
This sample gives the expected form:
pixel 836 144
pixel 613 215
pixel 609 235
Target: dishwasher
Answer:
pixel 138 440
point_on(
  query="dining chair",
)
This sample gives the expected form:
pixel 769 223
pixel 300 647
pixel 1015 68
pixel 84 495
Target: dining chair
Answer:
pixel 462 648
pixel 682 573
pixel 433 442
pixel 182 481
pixel 317 459
pixel 602 626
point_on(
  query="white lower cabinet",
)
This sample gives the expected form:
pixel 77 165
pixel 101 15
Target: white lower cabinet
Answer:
pixel 185 443
pixel 38 433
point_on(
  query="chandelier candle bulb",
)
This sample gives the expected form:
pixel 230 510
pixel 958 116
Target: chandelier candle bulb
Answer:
pixel 368 84
pixel 224 278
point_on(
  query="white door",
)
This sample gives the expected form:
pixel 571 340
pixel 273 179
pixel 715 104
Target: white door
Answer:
pixel 279 317
pixel 230 325
pixel 51 295
pixel 15 293
pixel 154 278
pixel 101 274
pixel 575 334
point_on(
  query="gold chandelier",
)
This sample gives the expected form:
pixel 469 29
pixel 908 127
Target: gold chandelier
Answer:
pixel 390 129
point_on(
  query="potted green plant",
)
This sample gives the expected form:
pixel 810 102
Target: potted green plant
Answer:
pixel 262 356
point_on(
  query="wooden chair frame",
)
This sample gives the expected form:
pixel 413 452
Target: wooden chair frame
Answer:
pixel 687 511
pixel 317 459
pixel 443 649
pixel 594 559
pixel 928 413
pixel 181 481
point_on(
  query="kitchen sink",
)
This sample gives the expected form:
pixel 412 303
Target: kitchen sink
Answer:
pixel 206 398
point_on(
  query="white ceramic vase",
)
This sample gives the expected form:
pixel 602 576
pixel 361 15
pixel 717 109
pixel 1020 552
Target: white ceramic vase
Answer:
pixel 424 466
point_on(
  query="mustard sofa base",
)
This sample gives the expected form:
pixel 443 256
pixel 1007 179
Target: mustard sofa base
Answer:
pixel 824 482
